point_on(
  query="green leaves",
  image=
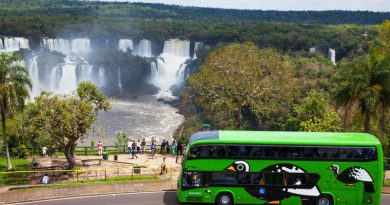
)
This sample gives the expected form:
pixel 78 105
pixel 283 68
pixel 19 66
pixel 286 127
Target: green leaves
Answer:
pixel 241 77
pixel 60 121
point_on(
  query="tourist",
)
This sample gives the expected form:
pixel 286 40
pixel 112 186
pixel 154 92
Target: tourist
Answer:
pixel 143 144
pixel 163 147
pixel 129 146
pixel 45 179
pixel 153 150
pixel 173 147
pixel 100 148
pixel 53 151
pixel 138 147
pixel 133 149
pixel 44 149
pixel 163 167
pixel 167 146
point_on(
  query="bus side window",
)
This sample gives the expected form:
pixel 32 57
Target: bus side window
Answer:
pixel 232 151
pixel 192 179
pixel 194 152
pixel 257 151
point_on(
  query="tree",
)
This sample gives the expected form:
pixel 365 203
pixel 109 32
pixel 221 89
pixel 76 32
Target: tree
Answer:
pixel 314 106
pixel 329 123
pixel 365 84
pixel 244 81
pixel 14 85
pixel 63 120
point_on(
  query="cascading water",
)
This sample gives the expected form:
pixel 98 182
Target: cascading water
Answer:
pixel 81 45
pixel 1 44
pixel 12 44
pixel 332 55
pixel 68 81
pixel 125 45
pixel 144 48
pixel 101 78
pixel 170 67
pixel 34 75
pixel 120 79
pixel 58 44
pixel 197 46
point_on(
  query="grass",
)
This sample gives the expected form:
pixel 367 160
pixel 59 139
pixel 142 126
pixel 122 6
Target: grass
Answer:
pixel 16 178
pixel 386 183
pixel 17 164
pixel 112 180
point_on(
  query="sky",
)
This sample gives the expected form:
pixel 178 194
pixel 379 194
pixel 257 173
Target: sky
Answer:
pixel 371 5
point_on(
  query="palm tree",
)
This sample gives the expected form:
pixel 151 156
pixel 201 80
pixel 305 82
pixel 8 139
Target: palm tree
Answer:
pixel 364 83
pixel 14 80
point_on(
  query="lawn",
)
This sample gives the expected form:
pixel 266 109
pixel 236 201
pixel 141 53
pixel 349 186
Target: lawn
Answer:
pixel 17 164
pixel 15 178
pixel 112 180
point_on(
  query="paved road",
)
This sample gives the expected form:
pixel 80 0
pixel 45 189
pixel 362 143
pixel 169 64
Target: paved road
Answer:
pixel 155 198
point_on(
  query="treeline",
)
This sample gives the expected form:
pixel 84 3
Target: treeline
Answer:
pixel 161 11
pixel 296 37
pixel 244 87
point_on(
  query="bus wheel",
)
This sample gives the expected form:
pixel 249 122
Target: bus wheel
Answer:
pixel 224 199
pixel 324 200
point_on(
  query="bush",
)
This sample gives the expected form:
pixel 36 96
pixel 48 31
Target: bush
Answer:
pixel 22 152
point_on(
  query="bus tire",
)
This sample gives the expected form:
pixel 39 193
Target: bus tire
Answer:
pixel 224 198
pixel 324 200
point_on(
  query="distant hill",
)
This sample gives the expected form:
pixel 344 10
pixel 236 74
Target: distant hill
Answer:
pixel 161 11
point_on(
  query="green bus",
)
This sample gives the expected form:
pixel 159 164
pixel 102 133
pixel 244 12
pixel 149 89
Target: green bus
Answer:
pixel 255 167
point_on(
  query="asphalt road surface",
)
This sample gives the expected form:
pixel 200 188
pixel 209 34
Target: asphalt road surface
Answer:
pixel 148 198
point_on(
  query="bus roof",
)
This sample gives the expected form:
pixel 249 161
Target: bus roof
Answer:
pixel 287 138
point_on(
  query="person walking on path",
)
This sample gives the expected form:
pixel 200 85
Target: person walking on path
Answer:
pixel 179 150
pixel 173 148
pixel 167 146
pixel 133 149
pixel 143 144
pixel 44 149
pixel 139 147
pixel 129 146
pixel 153 150
pixel 163 147
pixel 100 148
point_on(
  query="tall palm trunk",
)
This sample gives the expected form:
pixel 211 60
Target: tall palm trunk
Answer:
pixel 367 121
pixel 3 114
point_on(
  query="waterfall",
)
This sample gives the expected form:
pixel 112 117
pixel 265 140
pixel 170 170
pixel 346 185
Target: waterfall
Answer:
pixel 81 45
pixel 170 67
pixel 12 44
pixel 120 79
pixel 58 44
pixel 101 78
pixel 54 78
pixel 332 55
pixel 125 45
pixel 144 48
pixel 197 46
pixel 85 73
pixel 34 75
pixel 154 71
pixel 68 81
pixel 1 44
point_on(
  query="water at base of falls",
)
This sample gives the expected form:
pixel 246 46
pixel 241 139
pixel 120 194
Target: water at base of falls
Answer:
pixel 141 118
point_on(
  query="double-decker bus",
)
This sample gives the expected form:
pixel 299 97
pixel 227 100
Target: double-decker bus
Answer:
pixel 252 167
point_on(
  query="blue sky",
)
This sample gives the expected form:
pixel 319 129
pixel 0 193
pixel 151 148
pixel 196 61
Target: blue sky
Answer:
pixel 372 5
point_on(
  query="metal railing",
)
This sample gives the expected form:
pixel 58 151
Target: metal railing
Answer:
pixel 85 175
pixel 82 150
